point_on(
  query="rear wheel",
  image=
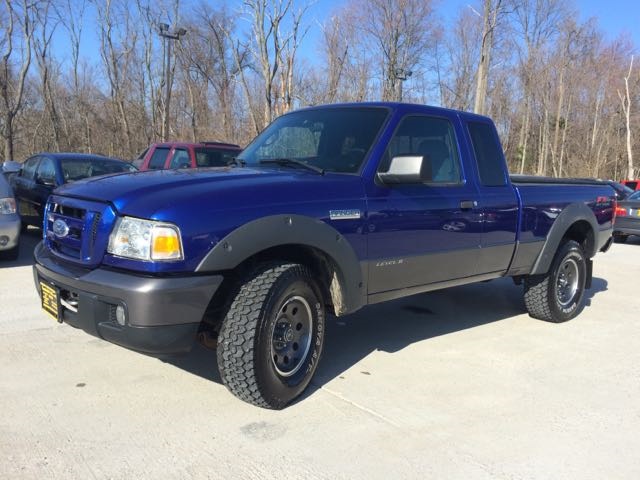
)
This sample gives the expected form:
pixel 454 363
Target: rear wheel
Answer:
pixel 558 295
pixel 272 336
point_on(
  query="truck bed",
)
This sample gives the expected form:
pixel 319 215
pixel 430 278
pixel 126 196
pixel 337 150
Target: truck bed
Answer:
pixel 517 179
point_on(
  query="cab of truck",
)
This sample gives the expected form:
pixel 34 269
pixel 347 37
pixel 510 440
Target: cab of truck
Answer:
pixel 175 155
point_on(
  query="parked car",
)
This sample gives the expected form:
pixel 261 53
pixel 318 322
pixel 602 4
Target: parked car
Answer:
pixel 632 184
pixel 173 155
pixel 329 209
pixel 9 223
pixel 44 172
pixel 622 191
pixel 627 218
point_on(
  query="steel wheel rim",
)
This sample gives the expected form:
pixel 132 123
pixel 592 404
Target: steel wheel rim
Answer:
pixel 567 281
pixel 291 336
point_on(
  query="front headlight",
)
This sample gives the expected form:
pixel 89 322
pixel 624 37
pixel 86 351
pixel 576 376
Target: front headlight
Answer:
pixel 145 240
pixel 7 205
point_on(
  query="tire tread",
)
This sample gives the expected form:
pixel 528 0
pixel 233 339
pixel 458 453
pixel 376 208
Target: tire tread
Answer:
pixel 237 338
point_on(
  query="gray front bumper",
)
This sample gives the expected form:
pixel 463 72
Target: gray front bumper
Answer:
pixel 163 314
pixel 10 227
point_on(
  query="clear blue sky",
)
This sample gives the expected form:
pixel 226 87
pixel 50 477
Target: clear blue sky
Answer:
pixel 615 17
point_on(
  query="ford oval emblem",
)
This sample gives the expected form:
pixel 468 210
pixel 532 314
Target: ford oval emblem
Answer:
pixel 60 228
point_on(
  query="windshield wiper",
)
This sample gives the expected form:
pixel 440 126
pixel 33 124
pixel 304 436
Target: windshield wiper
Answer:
pixel 290 162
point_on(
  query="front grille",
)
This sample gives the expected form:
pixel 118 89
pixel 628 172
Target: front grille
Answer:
pixel 94 227
pixel 67 211
pixel 71 244
pixel 82 232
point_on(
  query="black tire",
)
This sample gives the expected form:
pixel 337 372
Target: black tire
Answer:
pixel 617 238
pixel 11 254
pixel 258 331
pixel 552 296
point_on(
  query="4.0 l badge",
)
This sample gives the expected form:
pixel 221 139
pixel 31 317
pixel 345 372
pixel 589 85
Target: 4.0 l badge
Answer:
pixel 353 214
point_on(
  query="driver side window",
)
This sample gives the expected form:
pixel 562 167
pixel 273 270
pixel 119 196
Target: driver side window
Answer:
pixel 433 139
pixel 29 168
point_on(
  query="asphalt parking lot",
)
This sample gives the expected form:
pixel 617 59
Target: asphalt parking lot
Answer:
pixel 453 384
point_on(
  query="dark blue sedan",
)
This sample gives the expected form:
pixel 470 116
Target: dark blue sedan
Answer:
pixel 43 172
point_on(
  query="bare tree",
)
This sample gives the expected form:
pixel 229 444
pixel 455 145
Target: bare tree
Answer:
pixel 625 101
pixel 267 44
pixel 208 51
pixel 117 43
pixel 45 29
pixel 489 22
pixel 401 31
pixel 336 49
pixel 461 55
pixel 287 60
pixel 71 14
pixel 12 83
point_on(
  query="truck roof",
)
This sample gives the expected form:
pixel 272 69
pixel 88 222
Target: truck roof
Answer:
pixel 396 106
pixel 198 144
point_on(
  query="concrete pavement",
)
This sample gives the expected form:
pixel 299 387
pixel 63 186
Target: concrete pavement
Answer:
pixel 453 384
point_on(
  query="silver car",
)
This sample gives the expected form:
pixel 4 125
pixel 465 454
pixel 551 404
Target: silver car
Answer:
pixel 9 223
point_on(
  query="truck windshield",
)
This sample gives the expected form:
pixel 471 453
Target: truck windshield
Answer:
pixel 335 139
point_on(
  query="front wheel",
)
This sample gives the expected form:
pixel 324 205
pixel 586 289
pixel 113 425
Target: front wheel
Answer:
pixel 558 295
pixel 272 336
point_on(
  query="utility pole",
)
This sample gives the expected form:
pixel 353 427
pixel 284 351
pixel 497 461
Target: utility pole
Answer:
pixel 168 36
pixel 402 75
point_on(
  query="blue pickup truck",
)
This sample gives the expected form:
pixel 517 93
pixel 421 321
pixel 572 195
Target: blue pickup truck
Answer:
pixel 329 209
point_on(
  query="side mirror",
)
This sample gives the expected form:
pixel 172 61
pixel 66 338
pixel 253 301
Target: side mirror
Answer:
pixel 406 169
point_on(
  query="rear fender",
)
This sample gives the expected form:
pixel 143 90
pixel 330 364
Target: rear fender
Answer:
pixel 571 214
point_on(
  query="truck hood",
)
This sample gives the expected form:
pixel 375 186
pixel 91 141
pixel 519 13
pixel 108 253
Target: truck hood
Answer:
pixel 169 194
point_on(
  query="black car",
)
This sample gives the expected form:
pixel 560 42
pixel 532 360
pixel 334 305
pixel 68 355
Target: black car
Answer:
pixel 42 173
pixel 627 218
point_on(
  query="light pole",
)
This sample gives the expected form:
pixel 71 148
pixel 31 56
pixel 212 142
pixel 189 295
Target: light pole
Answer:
pixel 167 37
pixel 401 74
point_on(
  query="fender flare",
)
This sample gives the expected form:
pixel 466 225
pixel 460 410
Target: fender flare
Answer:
pixel 571 214
pixel 279 230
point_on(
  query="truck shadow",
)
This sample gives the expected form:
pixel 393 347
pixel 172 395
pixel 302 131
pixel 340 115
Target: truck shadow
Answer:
pixel 393 326
pixel 28 242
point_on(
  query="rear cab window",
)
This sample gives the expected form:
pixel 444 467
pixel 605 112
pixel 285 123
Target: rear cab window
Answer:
pixel 158 158
pixel 214 157
pixel 488 153
pixel 180 159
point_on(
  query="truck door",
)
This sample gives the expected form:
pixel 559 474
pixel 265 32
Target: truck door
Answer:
pixel 24 191
pixel 498 201
pixel 423 233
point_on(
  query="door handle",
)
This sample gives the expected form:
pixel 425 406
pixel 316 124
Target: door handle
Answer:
pixel 468 204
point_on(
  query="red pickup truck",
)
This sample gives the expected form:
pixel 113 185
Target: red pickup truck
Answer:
pixel 186 155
